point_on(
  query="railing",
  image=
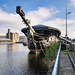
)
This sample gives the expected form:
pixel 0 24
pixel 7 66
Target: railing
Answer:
pixel 56 68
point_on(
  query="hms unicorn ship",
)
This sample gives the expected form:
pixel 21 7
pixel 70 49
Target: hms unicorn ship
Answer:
pixel 38 36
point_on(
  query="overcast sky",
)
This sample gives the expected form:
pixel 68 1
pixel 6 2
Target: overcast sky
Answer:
pixel 46 12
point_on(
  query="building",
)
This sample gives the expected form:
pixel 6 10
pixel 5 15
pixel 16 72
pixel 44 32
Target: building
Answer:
pixel 13 36
pixel 72 46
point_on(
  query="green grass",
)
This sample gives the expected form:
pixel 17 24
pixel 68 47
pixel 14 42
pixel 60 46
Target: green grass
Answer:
pixel 64 52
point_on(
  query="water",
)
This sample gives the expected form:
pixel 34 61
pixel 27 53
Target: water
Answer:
pixel 16 59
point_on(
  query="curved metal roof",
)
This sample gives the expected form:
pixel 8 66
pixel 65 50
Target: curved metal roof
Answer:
pixel 42 27
pixel 45 27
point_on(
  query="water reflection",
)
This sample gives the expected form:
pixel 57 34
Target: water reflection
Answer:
pixel 13 47
pixel 15 59
pixel 36 65
pixel 9 47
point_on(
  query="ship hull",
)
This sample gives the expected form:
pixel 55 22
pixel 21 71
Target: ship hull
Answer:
pixel 36 48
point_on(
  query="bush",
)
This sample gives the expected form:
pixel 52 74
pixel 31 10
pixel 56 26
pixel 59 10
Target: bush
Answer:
pixel 51 52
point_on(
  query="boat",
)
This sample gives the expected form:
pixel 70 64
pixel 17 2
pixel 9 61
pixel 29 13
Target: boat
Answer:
pixel 38 36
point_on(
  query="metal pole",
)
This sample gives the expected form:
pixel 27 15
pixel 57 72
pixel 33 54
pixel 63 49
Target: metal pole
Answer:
pixel 66 25
pixel 56 69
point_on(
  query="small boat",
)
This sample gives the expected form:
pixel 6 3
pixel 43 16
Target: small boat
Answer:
pixel 38 36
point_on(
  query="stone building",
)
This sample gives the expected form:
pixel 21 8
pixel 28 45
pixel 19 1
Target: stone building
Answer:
pixel 13 36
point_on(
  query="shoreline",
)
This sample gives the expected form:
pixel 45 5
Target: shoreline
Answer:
pixel 24 43
pixel 8 43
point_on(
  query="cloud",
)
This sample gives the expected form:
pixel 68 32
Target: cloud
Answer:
pixel 37 17
pixel 5 5
pixel 72 2
pixel 42 15
pixel 61 25
pixel 11 21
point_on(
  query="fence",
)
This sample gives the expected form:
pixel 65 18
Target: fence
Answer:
pixel 56 68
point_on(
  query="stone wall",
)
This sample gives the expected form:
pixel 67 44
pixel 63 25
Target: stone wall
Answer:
pixel 13 36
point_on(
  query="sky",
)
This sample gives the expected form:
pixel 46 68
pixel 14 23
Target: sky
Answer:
pixel 46 12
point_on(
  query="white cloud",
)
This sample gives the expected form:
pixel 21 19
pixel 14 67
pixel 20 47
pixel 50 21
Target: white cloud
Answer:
pixel 11 21
pixel 41 16
pixel 5 5
pixel 37 18
pixel 72 2
pixel 61 25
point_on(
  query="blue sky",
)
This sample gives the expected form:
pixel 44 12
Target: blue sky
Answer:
pixel 47 12
pixel 29 5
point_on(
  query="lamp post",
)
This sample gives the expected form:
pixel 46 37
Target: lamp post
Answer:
pixel 66 23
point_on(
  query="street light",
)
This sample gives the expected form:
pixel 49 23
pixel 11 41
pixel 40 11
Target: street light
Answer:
pixel 66 23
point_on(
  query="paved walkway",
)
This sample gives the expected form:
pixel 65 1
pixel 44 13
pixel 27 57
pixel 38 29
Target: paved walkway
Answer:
pixel 66 66
pixel 72 58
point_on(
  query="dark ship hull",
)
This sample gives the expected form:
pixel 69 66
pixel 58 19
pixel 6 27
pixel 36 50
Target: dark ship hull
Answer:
pixel 47 32
pixel 33 49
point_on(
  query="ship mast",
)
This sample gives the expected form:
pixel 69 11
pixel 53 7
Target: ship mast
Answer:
pixel 22 14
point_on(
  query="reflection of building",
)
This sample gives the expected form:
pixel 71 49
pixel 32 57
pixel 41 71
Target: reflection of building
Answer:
pixel 13 47
pixel 13 36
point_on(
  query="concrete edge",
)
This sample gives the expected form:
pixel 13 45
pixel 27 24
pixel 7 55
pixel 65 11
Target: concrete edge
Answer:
pixel 73 64
pixel 8 43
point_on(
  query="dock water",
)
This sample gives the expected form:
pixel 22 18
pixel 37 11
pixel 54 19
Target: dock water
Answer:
pixel 66 67
pixel 16 59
